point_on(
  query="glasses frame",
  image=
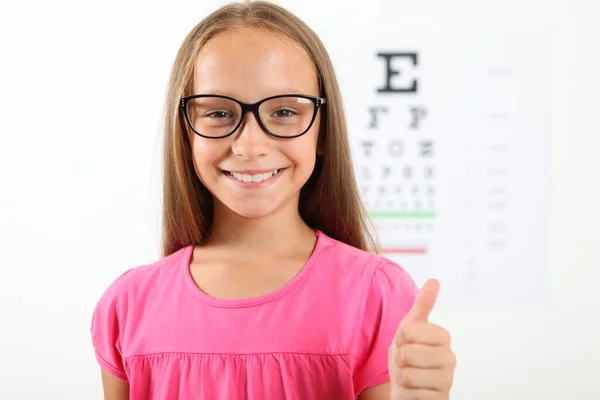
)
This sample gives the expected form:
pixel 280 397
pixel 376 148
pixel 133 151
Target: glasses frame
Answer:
pixel 253 108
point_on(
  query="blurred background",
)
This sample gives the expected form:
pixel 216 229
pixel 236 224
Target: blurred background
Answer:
pixel 505 104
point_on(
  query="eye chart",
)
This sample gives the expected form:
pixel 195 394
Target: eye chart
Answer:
pixel 450 144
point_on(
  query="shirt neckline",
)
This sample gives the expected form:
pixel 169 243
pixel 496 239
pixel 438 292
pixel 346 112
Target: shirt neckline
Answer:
pixel 214 301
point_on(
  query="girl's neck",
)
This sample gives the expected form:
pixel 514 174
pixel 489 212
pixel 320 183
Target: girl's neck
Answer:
pixel 281 231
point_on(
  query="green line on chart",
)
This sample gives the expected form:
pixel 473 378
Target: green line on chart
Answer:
pixel 402 214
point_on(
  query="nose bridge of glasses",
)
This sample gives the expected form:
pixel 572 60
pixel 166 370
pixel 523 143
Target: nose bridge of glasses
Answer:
pixel 250 111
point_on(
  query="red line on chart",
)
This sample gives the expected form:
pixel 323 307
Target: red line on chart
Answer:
pixel 405 250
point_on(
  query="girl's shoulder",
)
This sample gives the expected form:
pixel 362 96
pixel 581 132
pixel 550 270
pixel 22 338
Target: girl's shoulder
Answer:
pixel 141 278
pixel 377 269
pixel 343 253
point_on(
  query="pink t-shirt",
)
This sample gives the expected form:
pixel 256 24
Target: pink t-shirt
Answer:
pixel 324 335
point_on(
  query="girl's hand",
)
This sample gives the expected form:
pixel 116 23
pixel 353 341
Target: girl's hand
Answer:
pixel 421 362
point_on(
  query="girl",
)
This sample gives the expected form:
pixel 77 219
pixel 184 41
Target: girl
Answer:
pixel 269 286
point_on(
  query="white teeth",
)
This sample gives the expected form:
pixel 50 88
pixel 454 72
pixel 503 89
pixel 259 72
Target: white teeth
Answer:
pixel 253 178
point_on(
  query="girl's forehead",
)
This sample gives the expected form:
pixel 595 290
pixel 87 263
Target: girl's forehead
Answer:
pixel 253 60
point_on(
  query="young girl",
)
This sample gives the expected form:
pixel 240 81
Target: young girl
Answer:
pixel 270 286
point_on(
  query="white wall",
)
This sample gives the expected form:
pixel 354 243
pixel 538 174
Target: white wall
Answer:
pixel 79 199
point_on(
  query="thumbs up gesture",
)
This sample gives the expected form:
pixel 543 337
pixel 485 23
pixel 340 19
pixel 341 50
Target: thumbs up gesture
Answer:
pixel 420 361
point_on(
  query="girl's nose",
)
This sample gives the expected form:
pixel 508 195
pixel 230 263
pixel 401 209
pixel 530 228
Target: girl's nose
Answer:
pixel 250 140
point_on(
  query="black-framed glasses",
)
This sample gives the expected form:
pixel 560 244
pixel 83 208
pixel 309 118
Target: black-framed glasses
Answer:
pixel 283 116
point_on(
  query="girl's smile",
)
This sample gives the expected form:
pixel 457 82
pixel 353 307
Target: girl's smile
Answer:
pixel 254 179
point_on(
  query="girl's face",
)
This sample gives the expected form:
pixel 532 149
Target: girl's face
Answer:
pixel 250 64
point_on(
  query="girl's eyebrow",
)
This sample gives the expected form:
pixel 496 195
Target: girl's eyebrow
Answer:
pixel 294 90
pixel 288 90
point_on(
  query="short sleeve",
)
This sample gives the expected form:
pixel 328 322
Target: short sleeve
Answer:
pixel 390 297
pixel 108 326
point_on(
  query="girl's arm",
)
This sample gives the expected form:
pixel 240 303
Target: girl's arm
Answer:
pixel 379 392
pixel 421 362
pixel 114 389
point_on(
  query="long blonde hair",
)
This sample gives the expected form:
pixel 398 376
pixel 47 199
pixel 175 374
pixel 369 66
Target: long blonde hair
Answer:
pixel 329 201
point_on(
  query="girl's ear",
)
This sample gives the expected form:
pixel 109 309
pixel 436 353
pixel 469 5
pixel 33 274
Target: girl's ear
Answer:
pixel 321 145
pixel 190 154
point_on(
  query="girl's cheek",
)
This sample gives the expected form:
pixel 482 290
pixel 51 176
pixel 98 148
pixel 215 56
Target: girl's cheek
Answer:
pixel 206 151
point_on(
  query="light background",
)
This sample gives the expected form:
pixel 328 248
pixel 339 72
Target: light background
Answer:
pixel 80 191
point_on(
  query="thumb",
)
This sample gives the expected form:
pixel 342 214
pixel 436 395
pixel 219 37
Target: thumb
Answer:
pixel 424 302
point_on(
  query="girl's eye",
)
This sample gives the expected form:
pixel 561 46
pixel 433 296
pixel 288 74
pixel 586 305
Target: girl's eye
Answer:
pixel 283 113
pixel 219 114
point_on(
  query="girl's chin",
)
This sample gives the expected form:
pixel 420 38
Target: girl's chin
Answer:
pixel 255 209
pixel 253 213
